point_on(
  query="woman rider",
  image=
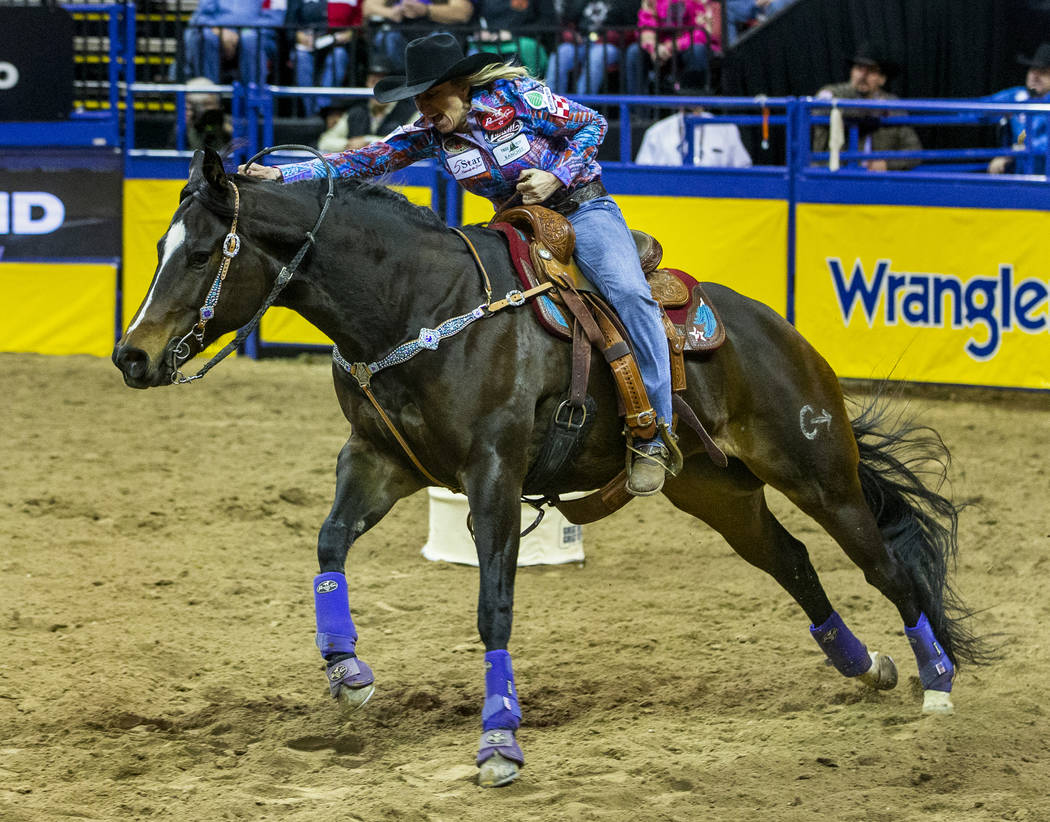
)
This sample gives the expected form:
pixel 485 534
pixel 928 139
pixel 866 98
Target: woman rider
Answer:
pixel 504 135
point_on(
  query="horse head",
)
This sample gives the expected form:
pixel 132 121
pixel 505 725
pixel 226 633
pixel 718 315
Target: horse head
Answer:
pixel 201 258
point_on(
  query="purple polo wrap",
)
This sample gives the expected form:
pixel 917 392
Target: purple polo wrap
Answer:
pixel 936 670
pixel 847 653
pixel 352 673
pixel 501 698
pixel 335 628
pixel 500 741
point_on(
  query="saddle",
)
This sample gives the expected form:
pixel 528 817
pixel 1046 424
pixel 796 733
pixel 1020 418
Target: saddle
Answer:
pixel 541 244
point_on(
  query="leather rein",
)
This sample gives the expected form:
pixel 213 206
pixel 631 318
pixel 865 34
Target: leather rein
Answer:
pixel 231 245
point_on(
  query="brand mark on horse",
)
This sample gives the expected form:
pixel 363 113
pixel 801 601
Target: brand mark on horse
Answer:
pixel 808 422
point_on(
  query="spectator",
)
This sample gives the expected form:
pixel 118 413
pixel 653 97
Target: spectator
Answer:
pixel 321 56
pixel 507 28
pixel 207 124
pixel 355 124
pixel 1027 129
pixel 746 14
pixel 589 47
pixel 418 17
pixel 869 72
pixel 666 142
pixel 230 39
pixel 675 36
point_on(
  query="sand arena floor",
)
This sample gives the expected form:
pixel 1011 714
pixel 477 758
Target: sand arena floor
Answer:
pixel 156 552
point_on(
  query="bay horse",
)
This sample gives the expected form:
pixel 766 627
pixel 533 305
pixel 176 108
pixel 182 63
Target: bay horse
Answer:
pixel 475 412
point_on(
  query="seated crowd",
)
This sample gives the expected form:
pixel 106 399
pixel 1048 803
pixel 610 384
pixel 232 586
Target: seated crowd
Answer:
pixel 585 47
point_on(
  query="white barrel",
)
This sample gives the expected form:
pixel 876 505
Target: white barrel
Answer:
pixel 555 541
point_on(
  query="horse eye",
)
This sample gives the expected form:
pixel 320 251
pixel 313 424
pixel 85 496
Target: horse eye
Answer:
pixel 199 259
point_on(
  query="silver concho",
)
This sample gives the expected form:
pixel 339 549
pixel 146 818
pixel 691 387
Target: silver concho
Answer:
pixel 338 672
pixel 327 586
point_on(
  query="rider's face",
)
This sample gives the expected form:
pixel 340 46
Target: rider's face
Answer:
pixel 445 106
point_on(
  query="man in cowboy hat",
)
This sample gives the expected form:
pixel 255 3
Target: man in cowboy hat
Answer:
pixel 1027 129
pixel 505 136
pixel 870 70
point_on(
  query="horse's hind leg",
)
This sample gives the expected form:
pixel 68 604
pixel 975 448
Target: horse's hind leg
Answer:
pixel 367 486
pixel 733 503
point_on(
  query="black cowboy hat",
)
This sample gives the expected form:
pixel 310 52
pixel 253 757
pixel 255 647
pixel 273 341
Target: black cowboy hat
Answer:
pixel 868 54
pixel 430 61
pixel 1041 58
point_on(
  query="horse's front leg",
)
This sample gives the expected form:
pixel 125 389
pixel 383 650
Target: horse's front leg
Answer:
pixel 494 494
pixel 367 486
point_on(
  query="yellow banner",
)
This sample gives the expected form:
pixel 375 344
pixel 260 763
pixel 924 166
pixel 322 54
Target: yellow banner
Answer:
pixel 739 243
pixel 947 295
pixel 58 308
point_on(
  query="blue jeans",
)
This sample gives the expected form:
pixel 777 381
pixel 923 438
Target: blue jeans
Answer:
pixel 640 66
pixel 390 43
pixel 334 65
pixel 595 58
pixel 256 49
pixel 606 253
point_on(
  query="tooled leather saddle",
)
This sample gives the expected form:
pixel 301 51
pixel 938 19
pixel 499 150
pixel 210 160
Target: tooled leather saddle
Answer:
pixel 541 244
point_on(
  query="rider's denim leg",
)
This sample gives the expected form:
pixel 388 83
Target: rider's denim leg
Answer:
pixel 607 254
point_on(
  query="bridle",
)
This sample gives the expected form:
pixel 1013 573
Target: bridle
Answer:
pixel 231 245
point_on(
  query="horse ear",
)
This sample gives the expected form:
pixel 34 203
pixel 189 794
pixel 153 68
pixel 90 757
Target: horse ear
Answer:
pixel 206 168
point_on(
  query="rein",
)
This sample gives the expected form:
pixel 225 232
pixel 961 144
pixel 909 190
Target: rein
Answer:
pixel 231 246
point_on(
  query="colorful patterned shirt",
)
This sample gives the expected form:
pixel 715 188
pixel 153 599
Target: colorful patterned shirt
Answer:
pixel 511 126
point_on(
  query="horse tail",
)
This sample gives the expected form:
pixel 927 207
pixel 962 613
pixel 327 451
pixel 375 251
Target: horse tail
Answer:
pixel 903 467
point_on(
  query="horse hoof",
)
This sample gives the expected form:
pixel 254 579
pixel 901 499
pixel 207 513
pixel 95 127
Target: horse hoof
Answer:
pixel 497 771
pixel 937 703
pixel 882 675
pixel 350 699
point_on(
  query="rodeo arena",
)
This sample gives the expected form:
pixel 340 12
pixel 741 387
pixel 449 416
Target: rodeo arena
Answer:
pixel 733 508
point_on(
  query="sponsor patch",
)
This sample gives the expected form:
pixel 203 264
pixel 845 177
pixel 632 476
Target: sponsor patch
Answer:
pixel 495 120
pixel 510 151
pixel 468 164
pixel 326 586
pixel 535 99
pixel 455 145
pixel 512 130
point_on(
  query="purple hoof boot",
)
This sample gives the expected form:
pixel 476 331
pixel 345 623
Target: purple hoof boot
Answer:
pixel 500 741
pixel 351 673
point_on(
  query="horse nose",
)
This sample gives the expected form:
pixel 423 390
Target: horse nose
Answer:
pixel 132 362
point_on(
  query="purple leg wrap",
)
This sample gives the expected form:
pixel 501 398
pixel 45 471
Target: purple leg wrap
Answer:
pixel 335 628
pixel 352 673
pixel 501 697
pixel 847 653
pixel 500 742
pixel 935 669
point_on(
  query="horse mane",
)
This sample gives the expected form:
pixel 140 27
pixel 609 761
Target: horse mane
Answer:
pixel 376 198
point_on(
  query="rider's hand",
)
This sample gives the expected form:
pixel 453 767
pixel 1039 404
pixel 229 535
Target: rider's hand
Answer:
pixel 262 172
pixel 536 185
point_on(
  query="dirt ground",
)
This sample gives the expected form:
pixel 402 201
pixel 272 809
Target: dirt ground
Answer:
pixel 158 659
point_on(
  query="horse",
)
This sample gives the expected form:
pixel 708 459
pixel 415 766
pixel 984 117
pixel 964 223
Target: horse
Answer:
pixel 471 412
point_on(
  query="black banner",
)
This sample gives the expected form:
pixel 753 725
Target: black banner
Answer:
pixel 36 63
pixel 60 205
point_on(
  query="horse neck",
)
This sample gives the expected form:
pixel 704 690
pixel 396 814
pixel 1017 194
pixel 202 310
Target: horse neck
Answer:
pixel 377 274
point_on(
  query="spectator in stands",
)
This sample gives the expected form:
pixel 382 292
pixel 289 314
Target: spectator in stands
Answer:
pixel 590 49
pixel 207 123
pixel 508 27
pixel 322 56
pixel 1027 129
pixel 666 142
pixel 675 36
pixel 230 40
pixel 746 14
pixel 395 18
pixel 870 69
pixel 355 124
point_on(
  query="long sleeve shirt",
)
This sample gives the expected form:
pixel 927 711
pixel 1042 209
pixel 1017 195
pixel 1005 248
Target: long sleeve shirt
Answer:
pixel 512 125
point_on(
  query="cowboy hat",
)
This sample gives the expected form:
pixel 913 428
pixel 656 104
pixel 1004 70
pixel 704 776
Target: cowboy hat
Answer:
pixel 430 61
pixel 872 56
pixel 1041 58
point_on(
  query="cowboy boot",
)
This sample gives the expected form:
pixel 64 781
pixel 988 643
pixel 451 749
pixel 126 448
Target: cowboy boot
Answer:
pixel 648 467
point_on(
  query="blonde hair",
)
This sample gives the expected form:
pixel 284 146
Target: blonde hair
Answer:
pixel 496 71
